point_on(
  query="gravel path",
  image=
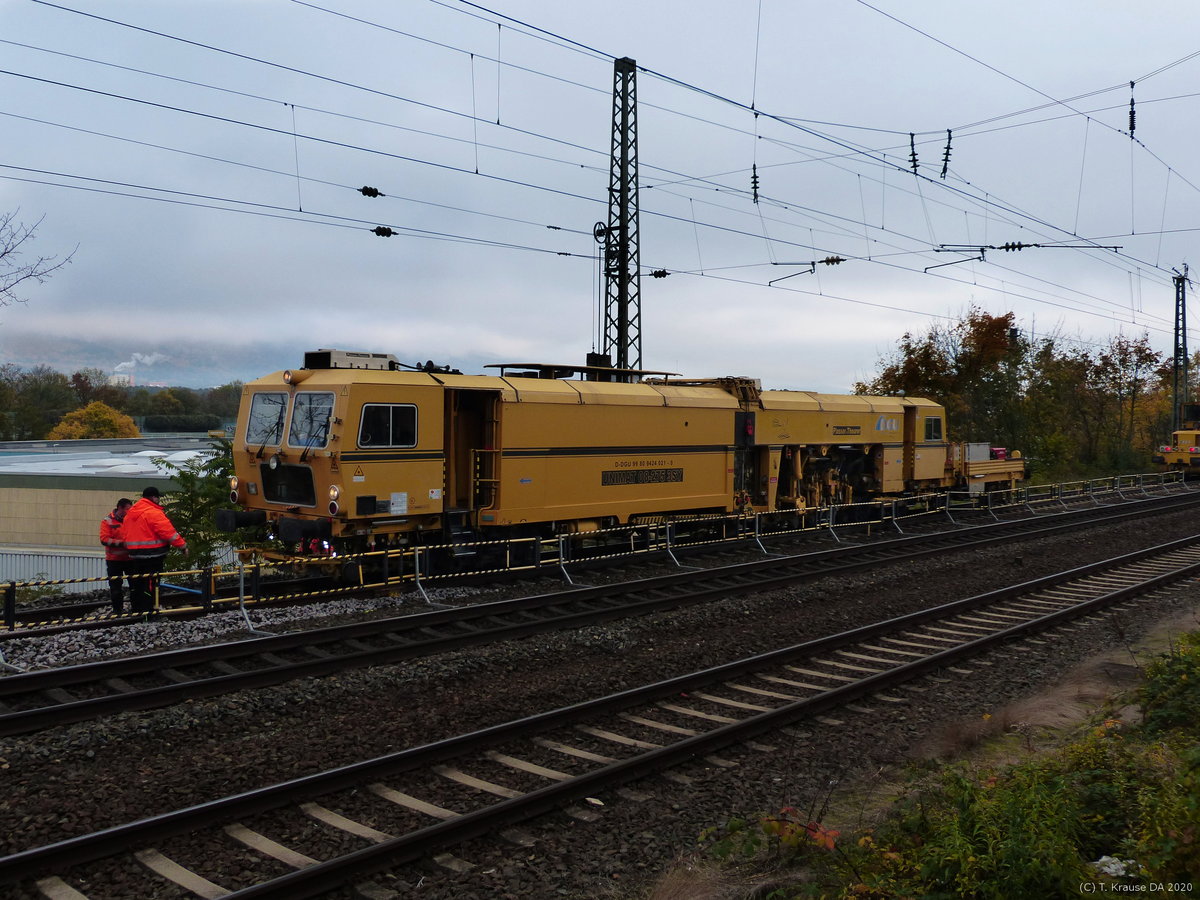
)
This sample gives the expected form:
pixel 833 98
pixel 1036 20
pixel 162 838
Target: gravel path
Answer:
pixel 95 775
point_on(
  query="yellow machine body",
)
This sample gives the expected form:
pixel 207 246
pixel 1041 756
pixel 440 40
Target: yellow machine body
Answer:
pixel 338 451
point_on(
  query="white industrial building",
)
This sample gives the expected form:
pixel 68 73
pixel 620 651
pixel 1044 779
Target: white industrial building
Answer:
pixel 53 495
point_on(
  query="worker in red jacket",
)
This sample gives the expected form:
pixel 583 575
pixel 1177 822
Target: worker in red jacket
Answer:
pixel 116 557
pixel 148 535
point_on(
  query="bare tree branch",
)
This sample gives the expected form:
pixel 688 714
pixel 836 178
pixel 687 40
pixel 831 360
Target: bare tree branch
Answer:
pixel 14 236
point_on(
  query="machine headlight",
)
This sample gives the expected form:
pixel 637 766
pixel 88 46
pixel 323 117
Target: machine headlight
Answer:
pixel 334 492
pixel 233 483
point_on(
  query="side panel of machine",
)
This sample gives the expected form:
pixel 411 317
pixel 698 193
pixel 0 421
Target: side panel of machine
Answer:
pixel 930 468
pixel 586 451
pixel 871 445
pixel 392 469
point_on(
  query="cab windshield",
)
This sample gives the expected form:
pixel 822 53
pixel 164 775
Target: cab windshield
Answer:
pixel 266 418
pixel 310 419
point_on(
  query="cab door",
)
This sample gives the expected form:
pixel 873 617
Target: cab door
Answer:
pixel 472 449
pixel 910 443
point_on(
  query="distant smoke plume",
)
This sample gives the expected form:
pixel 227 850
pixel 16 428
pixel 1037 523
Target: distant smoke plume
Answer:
pixel 140 359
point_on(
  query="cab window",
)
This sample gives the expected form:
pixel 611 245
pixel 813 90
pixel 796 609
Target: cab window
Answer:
pixel 310 419
pixel 265 425
pixel 388 425
pixel 933 428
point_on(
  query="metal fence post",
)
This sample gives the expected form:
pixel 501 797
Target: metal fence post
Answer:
pixel 670 527
pixel 250 626
pixel 417 576
pixel 562 559
pixel 832 517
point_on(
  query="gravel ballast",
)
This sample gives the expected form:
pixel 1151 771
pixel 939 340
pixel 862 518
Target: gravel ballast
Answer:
pixel 94 775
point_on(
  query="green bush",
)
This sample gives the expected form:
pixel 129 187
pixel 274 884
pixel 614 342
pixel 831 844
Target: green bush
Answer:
pixel 990 835
pixel 201 488
pixel 1167 837
pixel 1170 695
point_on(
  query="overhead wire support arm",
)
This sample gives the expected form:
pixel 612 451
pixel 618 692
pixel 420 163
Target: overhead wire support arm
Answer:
pixel 812 267
pixel 981 250
pixel 1018 245
pixel 955 262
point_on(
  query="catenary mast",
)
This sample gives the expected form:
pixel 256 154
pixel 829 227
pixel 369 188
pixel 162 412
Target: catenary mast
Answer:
pixel 621 315
pixel 1180 367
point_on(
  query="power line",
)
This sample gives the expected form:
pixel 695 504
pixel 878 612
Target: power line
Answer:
pixel 248 207
pixel 306 178
pixel 865 155
pixel 542 32
pixel 346 145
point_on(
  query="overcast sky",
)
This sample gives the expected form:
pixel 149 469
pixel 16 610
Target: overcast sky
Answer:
pixel 201 160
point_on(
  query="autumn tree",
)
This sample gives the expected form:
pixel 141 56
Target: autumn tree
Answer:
pixel 1124 373
pixel 223 401
pixel 43 396
pixel 92 384
pixel 1077 411
pixel 1059 433
pixel 9 376
pixel 96 420
pixel 976 367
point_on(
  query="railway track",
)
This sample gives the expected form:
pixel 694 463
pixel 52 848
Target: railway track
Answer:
pixel 179 602
pixel 321 832
pixel 43 699
pixel 175 602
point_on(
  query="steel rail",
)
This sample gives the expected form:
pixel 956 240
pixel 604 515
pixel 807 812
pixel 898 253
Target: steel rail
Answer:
pixel 86 848
pixel 331 874
pixel 410 636
pixel 83 615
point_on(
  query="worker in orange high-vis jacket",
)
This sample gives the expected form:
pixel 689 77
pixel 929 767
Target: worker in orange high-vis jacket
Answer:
pixel 148 535
pixel 116 557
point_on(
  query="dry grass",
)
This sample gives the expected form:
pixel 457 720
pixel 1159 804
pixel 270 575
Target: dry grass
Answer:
pixel 1086 688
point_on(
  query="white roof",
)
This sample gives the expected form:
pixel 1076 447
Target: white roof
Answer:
pixel 100 462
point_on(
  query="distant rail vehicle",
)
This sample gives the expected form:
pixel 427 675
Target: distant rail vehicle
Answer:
pixel 356 452
pixel 1183 453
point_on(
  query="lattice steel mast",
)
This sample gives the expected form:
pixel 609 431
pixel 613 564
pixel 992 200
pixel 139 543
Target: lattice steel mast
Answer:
pixel 1180 367
pixel 621 310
